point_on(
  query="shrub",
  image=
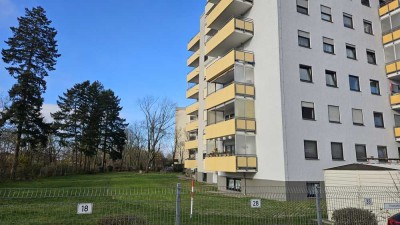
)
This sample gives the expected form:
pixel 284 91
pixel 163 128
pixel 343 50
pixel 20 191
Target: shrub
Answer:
pixel 122 220
pixel 354 216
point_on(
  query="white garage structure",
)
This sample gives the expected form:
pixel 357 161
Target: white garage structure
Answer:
pixel 364 186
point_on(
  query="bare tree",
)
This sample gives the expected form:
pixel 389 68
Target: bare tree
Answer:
pixel 179 145
pixel 159 120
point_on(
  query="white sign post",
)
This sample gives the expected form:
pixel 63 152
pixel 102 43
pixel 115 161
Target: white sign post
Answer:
pixel 255 203
pixel 85 208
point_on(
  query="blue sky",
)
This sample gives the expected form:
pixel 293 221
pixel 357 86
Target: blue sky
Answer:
pixel 134 47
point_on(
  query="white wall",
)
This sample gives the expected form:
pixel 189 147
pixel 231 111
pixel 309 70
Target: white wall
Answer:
pixel 296 129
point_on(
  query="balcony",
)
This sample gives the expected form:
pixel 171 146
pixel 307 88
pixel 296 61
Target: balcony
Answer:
pixel 227 62
pixel 194 144
pixel 391 37
pixel 192 126
pixel 193 92
pixel 226 9
pixel 397 133
pixel 233 34
pixel 193 76
pixel 389 7
pixel 231 164
pixel 229 128
pixel 194 43
pixel 393 69
pixel 194 59
pixel 190 164
pixel 229 93
pixel 193 109
pixel 395 101
pixel 208 7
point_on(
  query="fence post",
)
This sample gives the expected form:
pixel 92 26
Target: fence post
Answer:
pixel 178 205
pixel 318 203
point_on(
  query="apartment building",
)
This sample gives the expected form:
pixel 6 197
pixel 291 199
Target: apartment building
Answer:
pixel 282 90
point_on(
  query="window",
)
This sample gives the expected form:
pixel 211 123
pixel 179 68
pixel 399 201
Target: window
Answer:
pixel 233 184
pixel 361 153
pixel 311 189
pixel 337 151
pixel 348 20
pixel 302 6
pixel 351 51
pixel 328 45
pixel 330 77
pixel 326 13
pixel 374 87
pixel 354 83
pixel 305 73
pixel 382 154
pixel 307 110
pixel 357 117
pixel 368 27
pixel 334 114
pixel 371 57
pixel 304 39
pixel 378 120
pixel 310 149
pixel 365 2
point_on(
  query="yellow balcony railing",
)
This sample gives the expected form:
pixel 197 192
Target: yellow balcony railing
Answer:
pixel 208 7
pixel 229 128
pixel 191 144
pixel 192 109
pixel 194 59
pixel 389 7
pixel 391 37
pixel 226 9
pixel 393 67
pixel 233 34
pixel 397 132
pixel 190 164
pixel 227 62
pixel 192 126
pixel 395 100
pixel 228 93
pixel 194 43
pixel 192 92
pixel 193 74
pixel 231 164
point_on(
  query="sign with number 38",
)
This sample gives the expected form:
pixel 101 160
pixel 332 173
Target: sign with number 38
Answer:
pixel 255 203
pixel 85 208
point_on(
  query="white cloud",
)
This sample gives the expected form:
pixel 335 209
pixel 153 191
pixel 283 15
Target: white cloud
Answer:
pixel 47 109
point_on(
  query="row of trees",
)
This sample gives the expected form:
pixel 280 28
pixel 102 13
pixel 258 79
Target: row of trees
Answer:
pixel 87 132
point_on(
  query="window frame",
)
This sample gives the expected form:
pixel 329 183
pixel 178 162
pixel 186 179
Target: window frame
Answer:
pixel 329 114
pixel 367 22
pixel 306 9
pixel 358 83
pixel 304 38
pixel 371 53
pixel 316 150
pixel 329 15
pixel 303 113
pixel 342 151
pixel 309 73
pixel 348 16
pixel 378 87
pixel 362 117
pixel 368 4
pixel 334 76
pixel 325 43
pixel 385 159
pixel 381 118
pixel 353 49
pixel 365 151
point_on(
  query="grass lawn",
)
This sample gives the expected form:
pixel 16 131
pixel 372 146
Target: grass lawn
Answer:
pixel 141 197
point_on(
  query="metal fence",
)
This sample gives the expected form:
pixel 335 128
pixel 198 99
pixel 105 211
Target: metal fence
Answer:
pixel 172 205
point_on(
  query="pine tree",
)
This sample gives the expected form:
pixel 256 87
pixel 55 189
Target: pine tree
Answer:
pixel 32 53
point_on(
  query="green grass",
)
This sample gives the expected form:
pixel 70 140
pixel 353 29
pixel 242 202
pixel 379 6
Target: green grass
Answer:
pixel 148 196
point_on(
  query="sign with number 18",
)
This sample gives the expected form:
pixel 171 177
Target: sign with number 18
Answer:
pixel 85 208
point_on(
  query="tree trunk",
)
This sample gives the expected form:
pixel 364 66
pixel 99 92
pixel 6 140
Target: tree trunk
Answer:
pixel 16 156
pixel 104 161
